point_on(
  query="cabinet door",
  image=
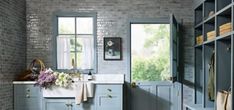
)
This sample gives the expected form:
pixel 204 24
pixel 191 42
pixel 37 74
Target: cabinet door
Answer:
pixel 27 97
pixel 108 102
pixel 89 105
pixel 56 104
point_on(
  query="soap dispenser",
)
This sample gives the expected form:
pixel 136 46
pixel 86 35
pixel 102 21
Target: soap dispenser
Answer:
pixel 90 77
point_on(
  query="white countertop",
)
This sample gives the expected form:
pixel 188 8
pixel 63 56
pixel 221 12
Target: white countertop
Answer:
pixel 24 82
pixel 97 79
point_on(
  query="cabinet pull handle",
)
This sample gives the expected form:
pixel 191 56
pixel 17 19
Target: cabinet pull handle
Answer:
pixel 109 96
pixel 69 106
pixel 109 90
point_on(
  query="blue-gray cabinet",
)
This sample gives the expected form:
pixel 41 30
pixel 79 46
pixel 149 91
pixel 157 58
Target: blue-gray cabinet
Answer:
pixel 106 97
pixel 66 104
pixel 27 97
pixel 109 97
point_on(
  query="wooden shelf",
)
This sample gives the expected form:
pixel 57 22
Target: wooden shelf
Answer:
pixel 209 42
pixel 198 46
pixel 211 18
pixel 226 36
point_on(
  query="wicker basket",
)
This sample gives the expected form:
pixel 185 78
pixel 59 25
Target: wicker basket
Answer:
pixel 199 40
pixel 211 35
pixel 225 28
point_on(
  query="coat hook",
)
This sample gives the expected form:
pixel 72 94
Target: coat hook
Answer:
pixel 229 48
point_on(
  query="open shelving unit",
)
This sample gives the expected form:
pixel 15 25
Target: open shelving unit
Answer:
pixel 210 16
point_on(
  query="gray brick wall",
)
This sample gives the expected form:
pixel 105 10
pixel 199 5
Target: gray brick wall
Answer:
pixel 112 19
pixel 12 47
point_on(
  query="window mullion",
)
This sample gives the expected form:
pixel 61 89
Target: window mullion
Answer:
pixel 75 46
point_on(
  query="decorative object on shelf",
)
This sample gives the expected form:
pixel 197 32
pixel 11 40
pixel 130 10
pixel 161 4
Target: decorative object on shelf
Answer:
pixel 199 40
pixel 49 78
pixel 211 13
pixel 112 48
pixel 225 28
pixel 224 100
pixel 211 35
pixel 32 72
pixel 211 80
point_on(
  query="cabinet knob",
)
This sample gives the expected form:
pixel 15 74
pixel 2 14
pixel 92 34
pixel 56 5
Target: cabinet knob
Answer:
pixel 28 96
pixel 109 90
pixel 28 90
pixel 109 96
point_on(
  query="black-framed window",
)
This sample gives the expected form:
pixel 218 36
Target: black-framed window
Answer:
pixel 75 41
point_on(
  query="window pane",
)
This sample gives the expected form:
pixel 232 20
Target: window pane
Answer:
pixel 65 47
pixel 84 25
pixel 66 25
pixel 85 53
pixel 150 52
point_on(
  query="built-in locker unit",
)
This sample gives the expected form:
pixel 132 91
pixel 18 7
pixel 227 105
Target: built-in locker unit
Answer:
pixel 213 52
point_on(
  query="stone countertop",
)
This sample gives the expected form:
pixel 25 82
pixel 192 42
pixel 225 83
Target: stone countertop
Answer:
pixel 97 79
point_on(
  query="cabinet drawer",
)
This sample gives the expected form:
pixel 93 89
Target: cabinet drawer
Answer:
pixel 109 89
pixel 26 90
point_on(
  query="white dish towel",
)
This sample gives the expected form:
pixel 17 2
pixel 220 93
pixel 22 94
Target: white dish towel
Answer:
pixel 84 90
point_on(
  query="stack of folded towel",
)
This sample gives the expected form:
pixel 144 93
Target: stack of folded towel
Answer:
pixel 84 91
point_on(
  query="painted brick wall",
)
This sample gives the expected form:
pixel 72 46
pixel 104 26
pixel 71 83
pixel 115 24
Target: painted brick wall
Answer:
pixel 112 19
pixel 12 47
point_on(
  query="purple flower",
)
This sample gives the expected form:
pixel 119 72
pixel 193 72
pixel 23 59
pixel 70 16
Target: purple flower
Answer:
pixel 46 78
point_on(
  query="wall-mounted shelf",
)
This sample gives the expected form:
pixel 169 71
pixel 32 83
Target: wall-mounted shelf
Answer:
pixel 214 17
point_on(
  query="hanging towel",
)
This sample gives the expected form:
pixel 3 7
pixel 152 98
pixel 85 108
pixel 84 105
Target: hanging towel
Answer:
pixel 83 91
pixel 90 89
pixel 211 82
pixel 79 92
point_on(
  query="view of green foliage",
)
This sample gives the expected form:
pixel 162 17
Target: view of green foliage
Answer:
pixel 155 67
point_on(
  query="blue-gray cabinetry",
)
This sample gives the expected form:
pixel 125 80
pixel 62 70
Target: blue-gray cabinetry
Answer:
pixel 214 55
pixel 66 104
pixel 106 97
pixel 27 97
pixel 109 97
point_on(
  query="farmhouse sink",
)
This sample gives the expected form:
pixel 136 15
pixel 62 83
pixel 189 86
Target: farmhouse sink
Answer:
pixel 70 92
